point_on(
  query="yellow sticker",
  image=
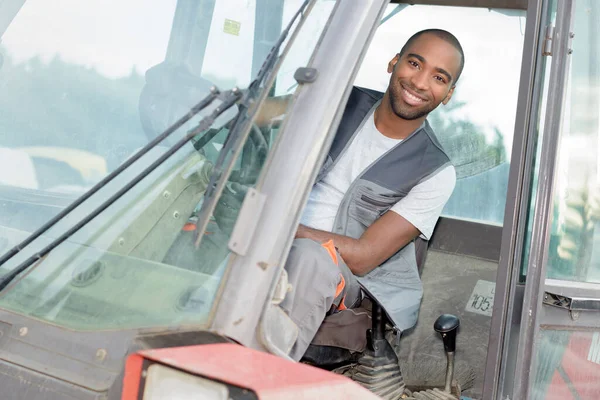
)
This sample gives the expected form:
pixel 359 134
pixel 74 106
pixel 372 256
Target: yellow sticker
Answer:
pixel 232 27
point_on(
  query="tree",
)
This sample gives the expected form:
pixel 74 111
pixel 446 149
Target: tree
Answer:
pixel 465 143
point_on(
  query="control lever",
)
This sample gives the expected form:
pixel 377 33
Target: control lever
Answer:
pixel 447 325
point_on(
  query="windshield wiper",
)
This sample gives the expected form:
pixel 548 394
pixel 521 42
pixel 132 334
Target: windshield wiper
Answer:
pixel 229 99
pixel 214 92
pixel 233 140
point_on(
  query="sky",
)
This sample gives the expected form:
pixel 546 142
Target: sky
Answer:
pixel 112 36
pixel 115 36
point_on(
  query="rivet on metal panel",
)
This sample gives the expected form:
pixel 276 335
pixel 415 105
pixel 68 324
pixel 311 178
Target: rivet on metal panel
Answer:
pixel 571 35
pixel 176 215
pixel 121 241
pixel 101 354
pixel 570 51
pixel 23 331
pixel 263 265
pixel 166 194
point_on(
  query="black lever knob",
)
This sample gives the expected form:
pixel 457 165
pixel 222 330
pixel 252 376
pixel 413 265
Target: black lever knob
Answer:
pixel 447 325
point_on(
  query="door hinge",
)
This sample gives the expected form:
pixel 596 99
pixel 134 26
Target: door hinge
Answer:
pixel 548 40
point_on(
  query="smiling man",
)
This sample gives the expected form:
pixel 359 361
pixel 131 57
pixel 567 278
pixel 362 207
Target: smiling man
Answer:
pixel 384 183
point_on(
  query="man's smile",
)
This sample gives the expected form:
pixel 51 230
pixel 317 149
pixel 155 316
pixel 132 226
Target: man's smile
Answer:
pixel 411 98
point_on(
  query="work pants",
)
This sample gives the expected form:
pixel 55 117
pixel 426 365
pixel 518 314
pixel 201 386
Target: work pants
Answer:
pixel 321 283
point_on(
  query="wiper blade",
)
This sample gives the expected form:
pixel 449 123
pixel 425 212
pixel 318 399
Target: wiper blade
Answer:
pixel 232 141
pixel 229 99
pixel 214 92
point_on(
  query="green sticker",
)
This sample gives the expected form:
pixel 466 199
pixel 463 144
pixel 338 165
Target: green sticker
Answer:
pixel 232 27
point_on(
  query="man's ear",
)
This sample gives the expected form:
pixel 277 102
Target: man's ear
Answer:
pixel 392 63
pixel 448 96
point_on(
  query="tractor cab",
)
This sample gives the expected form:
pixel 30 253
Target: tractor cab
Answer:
pixel 147 206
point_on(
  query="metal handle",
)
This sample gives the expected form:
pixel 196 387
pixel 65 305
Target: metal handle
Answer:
pixel 571 303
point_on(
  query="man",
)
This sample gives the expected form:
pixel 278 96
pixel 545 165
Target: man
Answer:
pixel 384 183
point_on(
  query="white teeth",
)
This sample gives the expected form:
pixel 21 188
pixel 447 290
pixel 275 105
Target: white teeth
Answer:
pixel 412 96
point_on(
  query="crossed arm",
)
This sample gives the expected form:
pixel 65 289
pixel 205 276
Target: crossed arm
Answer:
pixel 379 242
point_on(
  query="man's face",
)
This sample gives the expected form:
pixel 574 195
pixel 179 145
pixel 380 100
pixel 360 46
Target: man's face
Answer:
pixel 423 77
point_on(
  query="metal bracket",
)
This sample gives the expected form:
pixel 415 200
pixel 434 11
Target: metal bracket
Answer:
pixel 548 40
pixel 246 222
pixel 306 75
pixel 282 288
pixel 572 304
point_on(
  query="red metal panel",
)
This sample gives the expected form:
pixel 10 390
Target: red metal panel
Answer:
pixel 131 378
pixel 270 377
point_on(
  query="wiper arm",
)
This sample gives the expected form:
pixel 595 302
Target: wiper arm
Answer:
pixel 214 92
pixel 229 99
pixel 232 141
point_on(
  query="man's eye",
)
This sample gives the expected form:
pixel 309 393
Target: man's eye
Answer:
pixel 440 78
pixel 413 63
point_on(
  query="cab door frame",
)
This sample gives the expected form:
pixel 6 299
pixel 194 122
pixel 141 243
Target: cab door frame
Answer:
pixel 532 314
pixel 508 291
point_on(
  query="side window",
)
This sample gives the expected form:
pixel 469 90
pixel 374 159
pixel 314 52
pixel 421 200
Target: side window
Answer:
pixel 80 73
pixel 111 273
pixel 476 127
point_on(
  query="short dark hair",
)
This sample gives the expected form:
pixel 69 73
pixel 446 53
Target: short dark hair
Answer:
pixel 444 35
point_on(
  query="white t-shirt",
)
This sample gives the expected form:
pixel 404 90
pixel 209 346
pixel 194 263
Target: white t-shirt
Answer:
pixel 421 206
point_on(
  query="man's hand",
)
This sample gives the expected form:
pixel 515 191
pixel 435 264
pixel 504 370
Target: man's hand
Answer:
pixel 379 242
pixel 272 108
pixel 228 207
pixel 302 232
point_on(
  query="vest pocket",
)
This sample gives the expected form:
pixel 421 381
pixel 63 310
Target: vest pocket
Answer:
pixel 368 206
pixel 374 202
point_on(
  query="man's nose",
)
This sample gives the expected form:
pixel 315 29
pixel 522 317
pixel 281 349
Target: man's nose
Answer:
pixel 420 81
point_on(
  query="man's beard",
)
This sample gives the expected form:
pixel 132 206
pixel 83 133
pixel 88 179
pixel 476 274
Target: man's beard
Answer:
pixel 405 111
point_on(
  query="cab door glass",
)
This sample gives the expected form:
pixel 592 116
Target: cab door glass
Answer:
pixel 476 127
pixel 574 246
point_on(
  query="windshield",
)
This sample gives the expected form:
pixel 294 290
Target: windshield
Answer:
pixel 86 85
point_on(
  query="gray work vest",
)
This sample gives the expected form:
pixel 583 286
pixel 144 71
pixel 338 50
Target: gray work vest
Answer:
pixel 395 284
